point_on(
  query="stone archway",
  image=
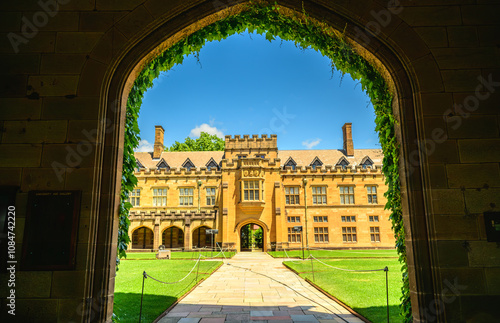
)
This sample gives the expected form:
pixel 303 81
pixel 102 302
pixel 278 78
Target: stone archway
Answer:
pixel 393 56
pixel 142 238
pixel 251 237
pixel 172 237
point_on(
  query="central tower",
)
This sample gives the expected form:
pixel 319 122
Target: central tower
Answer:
pixel 250 174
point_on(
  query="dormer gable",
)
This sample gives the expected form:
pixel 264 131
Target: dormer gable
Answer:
pixel 290 163
pixel 366 162
pixel 162 164
pixel 342 162
pixel 212 164
pixel 188 164
pixel 139 165
pixel 316 163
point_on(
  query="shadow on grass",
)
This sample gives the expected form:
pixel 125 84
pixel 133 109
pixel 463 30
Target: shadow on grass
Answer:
pixel 130 303
pixel 378 314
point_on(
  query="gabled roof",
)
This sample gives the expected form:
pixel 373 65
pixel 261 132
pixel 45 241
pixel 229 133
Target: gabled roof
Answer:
pixel 139 164
pixel 329 156
pixel 316 162
pixel 176 159
pixel 367 161
pixel 290 162
pixel 342 161
pixel 162 164
pixel 212 163
pixel 188 164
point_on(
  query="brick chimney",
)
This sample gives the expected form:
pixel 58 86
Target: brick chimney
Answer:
pixel 158 147
pixel 348 144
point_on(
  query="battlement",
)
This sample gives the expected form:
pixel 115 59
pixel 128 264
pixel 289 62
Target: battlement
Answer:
pixel 172 215
pixel 254 142
pixel 329 169
pixel 178 171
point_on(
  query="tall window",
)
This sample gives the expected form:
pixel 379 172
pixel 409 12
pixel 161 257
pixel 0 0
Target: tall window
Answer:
pixel 321 234
pixel 292 195
pixel 375 234
pixel 373 218
pixel 320 219
pixel 293 219
pixel 251 191
pixel 346 194
pixel 186 196
pixel 210 195
pixel 135 197
pixel 293 236
pixel 372 194
pixel 159 197
pixel 349 234
pixel 348 218
pixel 319 194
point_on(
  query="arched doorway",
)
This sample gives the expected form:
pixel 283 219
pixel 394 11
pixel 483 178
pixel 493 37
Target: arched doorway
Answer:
pixel 172 237
pixel 142 238
pixel 201 239
pixel 403 86
pixel 251 237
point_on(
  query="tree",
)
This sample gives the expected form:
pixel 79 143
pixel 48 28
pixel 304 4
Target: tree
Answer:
pixel 206 142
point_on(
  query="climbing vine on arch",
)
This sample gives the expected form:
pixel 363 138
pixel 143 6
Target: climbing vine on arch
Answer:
pixel 269 19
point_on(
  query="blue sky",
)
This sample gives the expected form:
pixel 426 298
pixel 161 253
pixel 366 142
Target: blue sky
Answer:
pixel 247 85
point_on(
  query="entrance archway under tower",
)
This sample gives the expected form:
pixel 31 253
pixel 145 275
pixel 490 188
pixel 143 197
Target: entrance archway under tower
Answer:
pixel 251 237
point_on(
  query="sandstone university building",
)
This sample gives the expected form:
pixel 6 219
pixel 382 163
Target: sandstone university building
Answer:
pixel 59 81
pixel 336 196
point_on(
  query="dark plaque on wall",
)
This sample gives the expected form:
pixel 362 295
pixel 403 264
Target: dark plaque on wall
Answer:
pixel 50 231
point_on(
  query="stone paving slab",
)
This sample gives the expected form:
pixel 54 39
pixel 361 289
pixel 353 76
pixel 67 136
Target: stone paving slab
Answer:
pixel 253 287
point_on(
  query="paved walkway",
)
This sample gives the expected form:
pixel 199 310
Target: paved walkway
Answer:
pixel 254 287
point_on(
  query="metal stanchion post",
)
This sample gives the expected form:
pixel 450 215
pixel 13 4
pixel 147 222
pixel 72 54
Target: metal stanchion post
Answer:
pixel 302 238
pixel 386 269
pixel 312 268
pixel 197 270
pixel 142 294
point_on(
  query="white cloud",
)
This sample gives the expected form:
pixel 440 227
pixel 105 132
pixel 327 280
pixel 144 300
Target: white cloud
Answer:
pixel 144 146
pixel 310 143
pixel 205 127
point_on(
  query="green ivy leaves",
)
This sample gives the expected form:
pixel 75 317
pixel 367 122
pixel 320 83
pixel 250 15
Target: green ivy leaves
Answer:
pixel 306 33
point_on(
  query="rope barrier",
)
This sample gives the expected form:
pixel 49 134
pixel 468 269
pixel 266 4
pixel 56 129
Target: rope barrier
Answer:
pixel 290 259
pixel 170 283
pixel 343 269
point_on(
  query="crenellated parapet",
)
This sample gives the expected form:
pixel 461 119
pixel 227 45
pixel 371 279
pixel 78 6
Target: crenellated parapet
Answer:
pixel 253 142
pixel 201 171
pixel 173 215
pixel 329 169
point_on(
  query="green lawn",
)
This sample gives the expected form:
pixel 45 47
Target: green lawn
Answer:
pixel 157 297
pixel 178 255
pixel 363 292
pixel 362 253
